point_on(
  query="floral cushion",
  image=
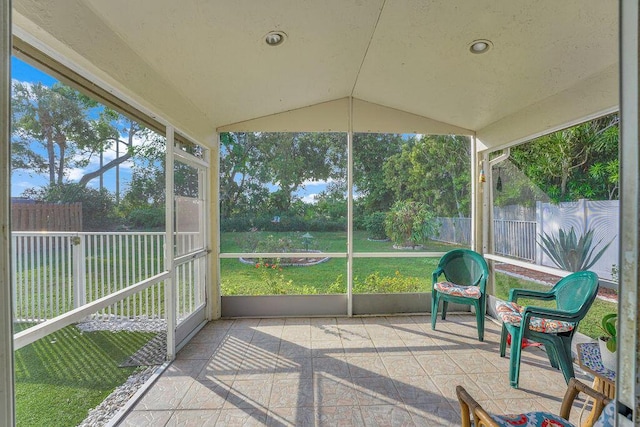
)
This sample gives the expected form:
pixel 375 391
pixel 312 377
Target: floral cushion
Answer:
pixel 450 288
pixel 510 312
pixel 532 419
pixel 606 419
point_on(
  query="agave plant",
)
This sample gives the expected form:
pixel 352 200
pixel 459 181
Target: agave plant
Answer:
pixel 570 253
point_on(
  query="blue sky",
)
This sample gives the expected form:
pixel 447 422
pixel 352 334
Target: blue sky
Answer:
pixel 21 179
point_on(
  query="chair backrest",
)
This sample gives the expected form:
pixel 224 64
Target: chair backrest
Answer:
pixel 465 267
pixel 576 292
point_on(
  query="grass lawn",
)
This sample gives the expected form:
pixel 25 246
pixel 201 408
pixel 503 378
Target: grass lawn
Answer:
pixel 61 377
pixel 589 326
pixel 412 274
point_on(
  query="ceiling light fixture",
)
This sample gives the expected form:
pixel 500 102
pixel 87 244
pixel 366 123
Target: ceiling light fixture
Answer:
pixel 275 38
pixel 480 46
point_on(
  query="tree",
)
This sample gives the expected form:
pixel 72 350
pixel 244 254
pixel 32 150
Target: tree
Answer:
pixel 56 129
pixel 253 164
pixel 434 170
pixel 575 163
pixel 371 151
pixel 291 159
pixel 241 175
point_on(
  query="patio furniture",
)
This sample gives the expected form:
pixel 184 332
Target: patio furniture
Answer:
pixel 553 327
pixel 590 360
pixel 465 273
pixel 603 408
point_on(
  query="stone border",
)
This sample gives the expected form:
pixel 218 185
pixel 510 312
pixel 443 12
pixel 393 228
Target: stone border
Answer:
pixel 251 261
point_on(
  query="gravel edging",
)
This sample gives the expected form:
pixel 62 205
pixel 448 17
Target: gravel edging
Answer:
pixel 104 412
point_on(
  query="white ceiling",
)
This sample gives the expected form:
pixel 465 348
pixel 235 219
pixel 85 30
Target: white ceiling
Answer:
pixel 203 65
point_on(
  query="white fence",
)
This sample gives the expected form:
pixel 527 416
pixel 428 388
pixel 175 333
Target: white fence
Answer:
pixel 55 272
pixel 517 238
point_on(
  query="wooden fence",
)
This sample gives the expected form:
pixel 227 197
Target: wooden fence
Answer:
pixel 46 217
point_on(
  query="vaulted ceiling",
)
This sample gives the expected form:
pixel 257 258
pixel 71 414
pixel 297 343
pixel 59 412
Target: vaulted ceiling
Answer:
pixel 399 65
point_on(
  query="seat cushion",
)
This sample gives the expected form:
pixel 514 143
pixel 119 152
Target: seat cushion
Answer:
pixel 532 419
pixel 450 288
pixel 606 419
pixel 510 312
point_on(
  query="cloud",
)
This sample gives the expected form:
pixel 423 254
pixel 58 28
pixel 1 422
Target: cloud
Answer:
pixel 310 198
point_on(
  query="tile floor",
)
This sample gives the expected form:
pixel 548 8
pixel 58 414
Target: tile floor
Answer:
pixel 373 371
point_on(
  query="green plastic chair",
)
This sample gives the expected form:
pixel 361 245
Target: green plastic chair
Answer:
pixel 554 328
pixel 466 274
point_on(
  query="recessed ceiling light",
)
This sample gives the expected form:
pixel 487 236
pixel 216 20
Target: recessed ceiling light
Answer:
pixel 275 38
pixel 480 46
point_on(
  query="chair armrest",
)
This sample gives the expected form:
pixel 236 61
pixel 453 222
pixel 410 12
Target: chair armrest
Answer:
pixel 436 273
pixel 548 313
pixel 516 293
pixel 469 407
pixel 576 387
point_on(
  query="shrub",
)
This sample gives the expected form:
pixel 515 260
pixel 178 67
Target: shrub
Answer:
pixel 410 223
pixel 374 283
pixel 375 226
pixel 147 218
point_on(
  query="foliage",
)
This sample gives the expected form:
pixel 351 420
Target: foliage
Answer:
pixel 56 129
pixel 376 283
pixel 375 225
pixel 410 223
pixel 249 161
pixel 434 170
pixel 610 327
pixel 148 218
pixel 580 162
pixel 371 152
pixel 98 206
pixel 570 253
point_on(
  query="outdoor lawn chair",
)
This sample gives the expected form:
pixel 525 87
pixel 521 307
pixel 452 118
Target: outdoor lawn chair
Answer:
pixel 553 327
pixel 465 273
pixel 603 411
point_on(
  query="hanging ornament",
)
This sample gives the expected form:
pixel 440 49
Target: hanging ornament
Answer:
pixel 482 177
pixel 499 182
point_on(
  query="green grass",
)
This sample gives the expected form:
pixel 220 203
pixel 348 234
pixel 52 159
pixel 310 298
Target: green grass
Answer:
pixel 61 377
pixel 410 274
pixel 589 326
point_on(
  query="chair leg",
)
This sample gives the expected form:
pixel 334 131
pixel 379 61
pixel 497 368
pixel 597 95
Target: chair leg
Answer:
pixel 514 358
pixel 434 308
pixel 445 306
pixel 480 319
pixel 565 360
pixel 553 356
pixel 503 341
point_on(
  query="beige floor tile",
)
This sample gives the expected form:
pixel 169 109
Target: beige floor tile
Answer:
pixel 366 366
pixel 205 394
pixel 386 371
pixel 330 391
pixel 387 416
pixel 287 393
pixel 335 366
pixel 166 393
pixel 376 391
pixel 291 417
pixel 246 417
pixel 293 367
pixel 338 416
pixel 146 419
pixel 193 418
pixel 402 366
